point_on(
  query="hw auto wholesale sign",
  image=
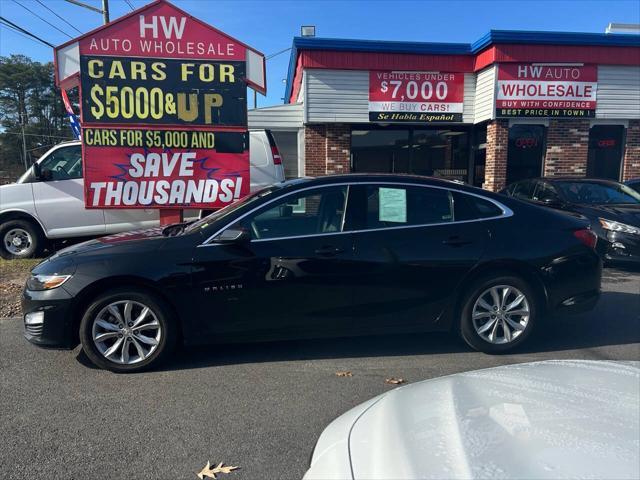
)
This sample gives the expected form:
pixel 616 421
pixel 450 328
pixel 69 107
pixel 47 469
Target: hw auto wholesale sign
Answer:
pixel 164 111
pixel 531 90
pixel 415 96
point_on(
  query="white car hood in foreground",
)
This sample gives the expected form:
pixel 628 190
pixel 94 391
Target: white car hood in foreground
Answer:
pixel 557 419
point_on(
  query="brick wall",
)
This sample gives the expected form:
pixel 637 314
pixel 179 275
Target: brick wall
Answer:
pixel 631 162
pixel 327 149
pixel 567 148
pixel 495 172
pixel 315 150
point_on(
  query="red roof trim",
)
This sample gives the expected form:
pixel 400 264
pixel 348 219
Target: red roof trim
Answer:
pixel 341 60
pixel 599 55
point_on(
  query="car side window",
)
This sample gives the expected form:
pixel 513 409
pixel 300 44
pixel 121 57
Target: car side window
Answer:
pixel 470 207
pixel 310 212
pixel 399 205
pixel 524 190
pixel 62 164
pixel 546 192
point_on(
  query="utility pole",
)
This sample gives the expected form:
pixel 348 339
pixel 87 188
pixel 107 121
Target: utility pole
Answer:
pixel 24 142
pixel 105 11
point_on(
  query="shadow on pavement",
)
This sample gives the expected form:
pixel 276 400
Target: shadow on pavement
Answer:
pixel 614 321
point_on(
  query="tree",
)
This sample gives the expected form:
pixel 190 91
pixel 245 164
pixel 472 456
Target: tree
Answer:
pixel 29 99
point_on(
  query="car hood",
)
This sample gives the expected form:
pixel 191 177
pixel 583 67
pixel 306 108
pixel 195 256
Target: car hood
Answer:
pixel 147 240
pixel 558 419
pixel 625 213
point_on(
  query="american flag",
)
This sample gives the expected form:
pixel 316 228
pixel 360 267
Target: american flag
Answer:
pixel 73 119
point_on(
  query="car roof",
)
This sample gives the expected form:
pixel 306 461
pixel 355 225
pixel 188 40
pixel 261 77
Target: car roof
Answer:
pixel 376 178
pixel 602 181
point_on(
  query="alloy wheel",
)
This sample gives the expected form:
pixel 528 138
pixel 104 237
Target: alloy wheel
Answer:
pixel 500 314
pixel 17 241
pixel 126 332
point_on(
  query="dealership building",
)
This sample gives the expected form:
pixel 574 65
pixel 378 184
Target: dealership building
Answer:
pixel 512 105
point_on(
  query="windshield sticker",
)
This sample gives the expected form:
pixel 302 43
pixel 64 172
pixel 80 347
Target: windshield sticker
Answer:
pixel 392 205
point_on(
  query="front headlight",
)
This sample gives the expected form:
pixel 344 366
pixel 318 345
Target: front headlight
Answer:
pixel 46 282
pixel 614 226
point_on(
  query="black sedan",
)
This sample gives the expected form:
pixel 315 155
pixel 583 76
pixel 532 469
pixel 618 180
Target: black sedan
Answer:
pixel 341 255
pixel 612 208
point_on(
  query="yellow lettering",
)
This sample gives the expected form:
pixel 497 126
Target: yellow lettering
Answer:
pixel 190 113
pixel 211 100
pixel 226 72
pixel 116 70
pixel 185 71
pixel 158 69
pixel 207 73
pixel 138 69
pixel 92 68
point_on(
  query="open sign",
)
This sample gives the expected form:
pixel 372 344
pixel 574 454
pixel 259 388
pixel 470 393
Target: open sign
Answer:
pixel 526 142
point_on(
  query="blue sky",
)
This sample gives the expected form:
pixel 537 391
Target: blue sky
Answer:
pixel 270 25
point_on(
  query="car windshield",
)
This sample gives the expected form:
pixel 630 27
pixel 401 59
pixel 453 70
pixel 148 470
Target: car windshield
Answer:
pixel 223 212
pixel 598 193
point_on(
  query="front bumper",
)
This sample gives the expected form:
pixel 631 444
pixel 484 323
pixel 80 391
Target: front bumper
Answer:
pixel 56 329
pixel 621 248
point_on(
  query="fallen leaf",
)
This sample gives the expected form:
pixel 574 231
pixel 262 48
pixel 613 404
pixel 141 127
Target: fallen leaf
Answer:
pixel 207 471
pixel 394 381
pixel 344 374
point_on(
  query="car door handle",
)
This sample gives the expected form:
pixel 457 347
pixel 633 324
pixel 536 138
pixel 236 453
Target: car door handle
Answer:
pixel 328 251
pixel 457 241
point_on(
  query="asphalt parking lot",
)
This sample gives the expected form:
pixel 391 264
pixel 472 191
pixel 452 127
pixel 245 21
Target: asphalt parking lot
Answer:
pixel 260 407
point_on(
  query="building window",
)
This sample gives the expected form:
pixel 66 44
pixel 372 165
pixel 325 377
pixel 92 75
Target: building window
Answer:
pixel 433 152
pixel 440 153
pixel 526 152
pixel 380 151
pixel 605 151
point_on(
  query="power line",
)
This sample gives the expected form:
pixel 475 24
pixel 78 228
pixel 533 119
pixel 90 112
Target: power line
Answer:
pixel 269 57
pixel 26 32
pixel 130 5
pixel 17 32
pixel 38 16
pixel 61 18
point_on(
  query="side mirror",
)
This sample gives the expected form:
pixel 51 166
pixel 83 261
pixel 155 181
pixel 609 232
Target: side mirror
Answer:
pixel 37 171
pixel 233 236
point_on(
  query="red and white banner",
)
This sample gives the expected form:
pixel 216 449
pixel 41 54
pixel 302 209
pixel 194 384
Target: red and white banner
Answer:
pixel 533 90
pixel 415 96
pixel 202 169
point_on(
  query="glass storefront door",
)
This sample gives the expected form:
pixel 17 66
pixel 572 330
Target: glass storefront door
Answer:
pixel 605 151
pixel 525 152
pixel 421 151
pixel 380 151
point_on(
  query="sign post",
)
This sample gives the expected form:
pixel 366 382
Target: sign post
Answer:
pixel 163 111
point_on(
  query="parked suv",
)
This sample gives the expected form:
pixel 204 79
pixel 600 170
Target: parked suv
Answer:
pixel 47 202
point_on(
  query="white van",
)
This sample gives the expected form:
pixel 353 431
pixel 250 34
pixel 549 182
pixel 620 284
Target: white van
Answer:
pixel 49 206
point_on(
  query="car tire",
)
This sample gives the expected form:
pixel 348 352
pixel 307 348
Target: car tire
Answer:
pixel 106 321
pixel 478 312
pixel 20 239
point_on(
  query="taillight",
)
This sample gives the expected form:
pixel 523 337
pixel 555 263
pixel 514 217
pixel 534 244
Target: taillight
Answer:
pixel 586 236
pixel 277 159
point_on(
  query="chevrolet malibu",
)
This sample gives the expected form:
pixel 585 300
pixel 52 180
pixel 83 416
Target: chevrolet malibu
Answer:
pixel 330 256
